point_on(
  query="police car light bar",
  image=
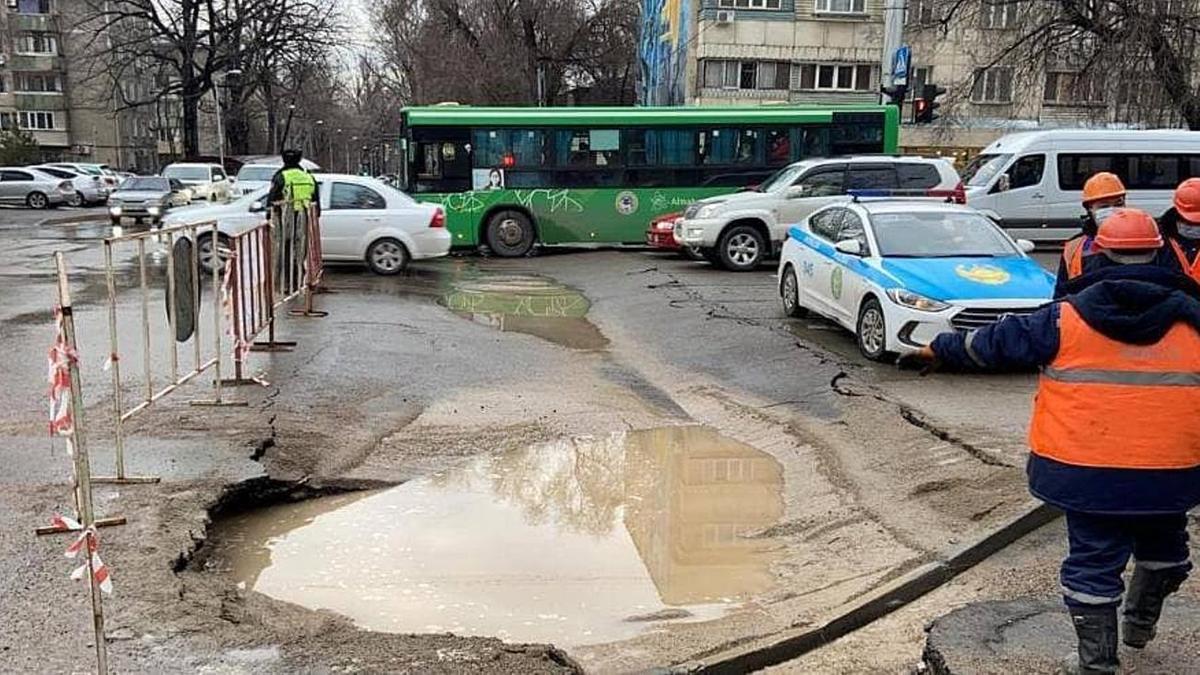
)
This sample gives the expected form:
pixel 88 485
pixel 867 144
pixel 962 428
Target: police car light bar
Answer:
pixel 956 196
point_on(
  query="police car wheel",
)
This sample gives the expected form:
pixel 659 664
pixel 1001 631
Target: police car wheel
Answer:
pixel 790 293
pixel 741 248
pixel 872 331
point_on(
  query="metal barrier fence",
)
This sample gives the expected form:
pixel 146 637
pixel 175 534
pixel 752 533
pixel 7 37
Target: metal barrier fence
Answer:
pixel 184 283
pixel 301 267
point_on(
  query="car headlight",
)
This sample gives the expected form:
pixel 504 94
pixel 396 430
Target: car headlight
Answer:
pixel 708 210
pixel 154 210
pixel 917 301
pixel 115 210
pixel 113 201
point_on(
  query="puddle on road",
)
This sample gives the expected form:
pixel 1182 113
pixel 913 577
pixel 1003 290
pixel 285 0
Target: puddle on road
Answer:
pixel 569 542
pixel 528 304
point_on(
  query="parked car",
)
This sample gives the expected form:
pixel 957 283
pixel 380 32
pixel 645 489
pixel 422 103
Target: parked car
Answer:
pixel 897 272
pixel 660 234
pixel 103 171
pixel 738 231
pixel 362 220
pixel 33 188
pixel 1030 182
pixel 257 174
pixel 88 189
pixel 147 197
pixel 206 181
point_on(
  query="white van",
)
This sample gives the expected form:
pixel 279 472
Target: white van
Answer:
pixel 1032 182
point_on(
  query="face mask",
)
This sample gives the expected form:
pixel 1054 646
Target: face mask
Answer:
pixel 1102 213
pixel 1189 231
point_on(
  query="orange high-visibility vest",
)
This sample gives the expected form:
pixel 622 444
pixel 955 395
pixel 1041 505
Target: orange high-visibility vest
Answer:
pixel 1192 269
pixel 1073 255
pixel 1107 404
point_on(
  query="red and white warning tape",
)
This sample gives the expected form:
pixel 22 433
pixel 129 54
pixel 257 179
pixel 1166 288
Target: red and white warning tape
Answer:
pixel 91 540
pixel 62 421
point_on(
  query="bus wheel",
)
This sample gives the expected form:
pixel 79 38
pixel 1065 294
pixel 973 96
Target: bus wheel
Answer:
pixel 509 234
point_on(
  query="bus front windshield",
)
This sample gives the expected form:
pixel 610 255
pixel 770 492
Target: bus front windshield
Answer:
pixel 981 170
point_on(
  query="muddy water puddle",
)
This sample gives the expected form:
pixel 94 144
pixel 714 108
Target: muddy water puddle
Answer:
pixel 529 304
pixel 575 542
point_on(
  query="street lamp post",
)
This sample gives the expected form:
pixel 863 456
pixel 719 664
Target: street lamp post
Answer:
pixel 316 142
pixel 218 81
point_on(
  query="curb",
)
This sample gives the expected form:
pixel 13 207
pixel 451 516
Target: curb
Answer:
pixel 788 645
pixel 69 220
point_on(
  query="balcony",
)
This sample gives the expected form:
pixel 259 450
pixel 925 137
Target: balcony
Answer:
pixel 30 101
pixel 35 62
pixel 36 23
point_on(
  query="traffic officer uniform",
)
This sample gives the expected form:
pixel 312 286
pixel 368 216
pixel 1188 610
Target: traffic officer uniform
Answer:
pixel 1113 440
pixel 1102 194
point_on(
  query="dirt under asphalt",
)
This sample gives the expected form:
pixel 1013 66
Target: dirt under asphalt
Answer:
pixel 882 470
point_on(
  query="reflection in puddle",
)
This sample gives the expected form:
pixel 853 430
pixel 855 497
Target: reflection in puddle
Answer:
pixel 527 304
pixel 561 543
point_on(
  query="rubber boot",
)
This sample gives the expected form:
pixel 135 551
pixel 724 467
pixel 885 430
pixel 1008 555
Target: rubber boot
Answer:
pixel 1144 602
pixel 1096 630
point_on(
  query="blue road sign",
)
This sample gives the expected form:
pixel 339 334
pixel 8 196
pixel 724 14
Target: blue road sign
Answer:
pixel 901 60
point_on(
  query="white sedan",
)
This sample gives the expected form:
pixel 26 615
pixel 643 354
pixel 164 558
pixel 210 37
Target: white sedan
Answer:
pixel 362 220
pixel 898 272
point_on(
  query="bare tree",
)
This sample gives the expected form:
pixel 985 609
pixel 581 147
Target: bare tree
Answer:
pixel 1119 60
pixel 186 43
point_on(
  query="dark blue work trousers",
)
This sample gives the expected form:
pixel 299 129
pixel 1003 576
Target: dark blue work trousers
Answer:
pixel 1102 544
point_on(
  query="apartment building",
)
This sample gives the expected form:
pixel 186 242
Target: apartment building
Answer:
pixel 48 90
pixel 720 52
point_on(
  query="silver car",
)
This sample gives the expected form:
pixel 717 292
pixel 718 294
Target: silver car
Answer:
pixel 146 197
pixel 31 187
pixel 89 189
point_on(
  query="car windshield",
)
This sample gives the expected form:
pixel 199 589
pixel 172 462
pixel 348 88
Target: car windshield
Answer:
pixel 146 183
pixel 263 172
pixel 782 178
pixel 248 199
pixel 84 169
pixel 939 234
pixel 199 173
pixel 981 170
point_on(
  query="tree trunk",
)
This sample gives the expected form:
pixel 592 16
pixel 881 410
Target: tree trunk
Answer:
pixel 191 124
pixel 237 127
pixel 1175 74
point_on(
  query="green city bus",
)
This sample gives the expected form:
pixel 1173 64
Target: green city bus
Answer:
pixel 510 178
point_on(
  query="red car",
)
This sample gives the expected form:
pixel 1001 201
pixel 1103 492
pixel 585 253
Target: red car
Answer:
pixel 661 233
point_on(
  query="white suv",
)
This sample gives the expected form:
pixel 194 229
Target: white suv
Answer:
pixel 206 181
pixel 737 231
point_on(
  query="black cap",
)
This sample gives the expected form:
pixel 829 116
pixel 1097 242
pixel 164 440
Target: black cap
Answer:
pixel 292 156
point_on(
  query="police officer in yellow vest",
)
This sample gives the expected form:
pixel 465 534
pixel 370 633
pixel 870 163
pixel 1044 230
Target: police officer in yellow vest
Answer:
pixel 292 183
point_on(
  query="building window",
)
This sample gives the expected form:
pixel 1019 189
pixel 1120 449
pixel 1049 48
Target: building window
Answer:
pixel 992 85
pixel 37 83
pixel 1073 89
pixel 37 121
pixel 833 77
pixel 920 13
pixel 840 6
pixel 998 14
pixel 749 4
pixel 32 6
pixel 719 74
pixel 37 43
pixel 8 121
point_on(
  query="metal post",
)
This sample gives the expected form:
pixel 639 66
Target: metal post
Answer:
pixel 114 363
pixel 220 126
pixel 83 471
pixel 216 306
pixel 145 320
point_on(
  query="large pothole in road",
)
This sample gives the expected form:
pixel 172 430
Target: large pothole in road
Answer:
pixel 575 542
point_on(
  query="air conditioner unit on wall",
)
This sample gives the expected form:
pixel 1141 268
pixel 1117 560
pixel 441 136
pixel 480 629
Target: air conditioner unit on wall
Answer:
pixel 12 4
pixel 724 16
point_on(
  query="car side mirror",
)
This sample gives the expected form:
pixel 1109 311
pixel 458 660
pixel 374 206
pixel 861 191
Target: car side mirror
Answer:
pixel 797 191
pixel 1025 245
pixel 849 247
pixel 257 207
pixel 1004 184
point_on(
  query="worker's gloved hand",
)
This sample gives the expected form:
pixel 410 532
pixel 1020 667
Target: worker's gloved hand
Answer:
pixel 925 361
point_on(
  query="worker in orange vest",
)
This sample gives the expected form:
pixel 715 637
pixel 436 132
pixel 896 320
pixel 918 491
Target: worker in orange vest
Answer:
pixel 1113 440
pixel 1182 226
pixel 1102 194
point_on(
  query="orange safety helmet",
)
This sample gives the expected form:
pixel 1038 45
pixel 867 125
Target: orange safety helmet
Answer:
pixel 1129 230
pixel 1187 200
pixel 1103 185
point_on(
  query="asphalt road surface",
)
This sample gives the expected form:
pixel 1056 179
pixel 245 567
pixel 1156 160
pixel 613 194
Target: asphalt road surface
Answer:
pixel 658 462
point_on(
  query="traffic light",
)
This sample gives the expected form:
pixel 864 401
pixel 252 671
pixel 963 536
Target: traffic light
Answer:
pixel 925 107
pixel 895 94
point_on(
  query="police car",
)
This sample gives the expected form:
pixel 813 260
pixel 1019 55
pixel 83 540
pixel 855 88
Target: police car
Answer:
pixel 898 271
